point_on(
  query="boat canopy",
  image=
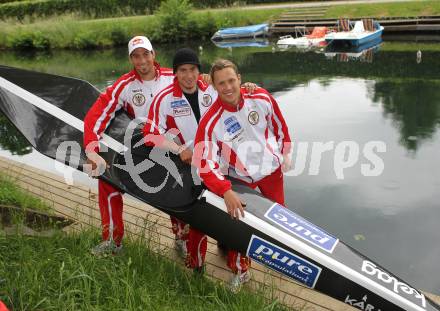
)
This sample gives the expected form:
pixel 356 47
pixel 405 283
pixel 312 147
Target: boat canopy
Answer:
pixel 358 27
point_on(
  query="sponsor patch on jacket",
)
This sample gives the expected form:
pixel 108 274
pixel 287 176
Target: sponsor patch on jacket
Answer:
pixel 283 261
pixel 253 117
pixel 180 108
pixel 138 99
pixel 207 100
pixel 179 103
pixel 232 125
pixel 300 227
pixel 182 112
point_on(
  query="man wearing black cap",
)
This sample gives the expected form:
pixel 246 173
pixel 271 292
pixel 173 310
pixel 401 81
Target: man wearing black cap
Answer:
pixel 180 106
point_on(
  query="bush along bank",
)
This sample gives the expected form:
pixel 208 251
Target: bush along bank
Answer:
pixel 92 9
pixel 175 21
pixel 21 9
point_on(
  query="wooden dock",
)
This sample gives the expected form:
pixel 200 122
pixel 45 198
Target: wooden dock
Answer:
pixel 79 203
pixel 287 21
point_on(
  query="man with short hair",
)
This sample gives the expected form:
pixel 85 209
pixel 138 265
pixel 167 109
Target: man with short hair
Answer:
pixel 180 106
pixel 238 119
pixel 133 92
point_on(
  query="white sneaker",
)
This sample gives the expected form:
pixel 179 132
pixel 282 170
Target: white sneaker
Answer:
pixel 117 249
pixel 106 248
pixel 238 280
pixel 102 249
pixel 181 248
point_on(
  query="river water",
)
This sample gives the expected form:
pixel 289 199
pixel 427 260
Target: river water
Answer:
pixel 366 132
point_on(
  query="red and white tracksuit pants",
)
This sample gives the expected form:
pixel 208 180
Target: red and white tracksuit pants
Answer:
pixel 3 306
pixel 110 207
pixel 196 242
pixel 272 187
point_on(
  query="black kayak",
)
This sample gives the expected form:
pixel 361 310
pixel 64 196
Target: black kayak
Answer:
pixel 48 110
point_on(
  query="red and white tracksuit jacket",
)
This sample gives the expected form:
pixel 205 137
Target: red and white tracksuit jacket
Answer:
pixel 170 110
pixel 246 142
pixel 134 95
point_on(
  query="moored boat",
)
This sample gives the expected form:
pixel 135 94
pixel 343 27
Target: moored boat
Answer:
pixel 252 31
pixel 362 32
pixel 316 38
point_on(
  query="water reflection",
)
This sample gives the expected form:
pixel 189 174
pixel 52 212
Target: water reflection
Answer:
pixel 11 139
pixel 414 107
pixel 343 53
pixel 396 212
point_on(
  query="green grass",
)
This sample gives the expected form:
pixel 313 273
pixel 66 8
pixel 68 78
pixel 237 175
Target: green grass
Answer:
pixel 11 194
pixel 402 9
pixel 58 273
pixel 72 33
pixel 67 32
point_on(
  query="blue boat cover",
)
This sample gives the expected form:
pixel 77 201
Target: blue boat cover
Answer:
pixel 242 30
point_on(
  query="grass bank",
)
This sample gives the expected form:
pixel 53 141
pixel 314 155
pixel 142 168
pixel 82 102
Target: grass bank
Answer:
pixel 169 25
pixel 402 9
pixel 11 194
pixel 58 273
pixel 67 32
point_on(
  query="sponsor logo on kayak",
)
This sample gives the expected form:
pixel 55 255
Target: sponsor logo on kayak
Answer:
pixel 361 304
pixel 396 286
pixel 280 260
pixel 300 227
pixel 181 112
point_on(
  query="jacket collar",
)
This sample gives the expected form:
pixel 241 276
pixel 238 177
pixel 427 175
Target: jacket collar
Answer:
pixel 177 90
pixel 230 108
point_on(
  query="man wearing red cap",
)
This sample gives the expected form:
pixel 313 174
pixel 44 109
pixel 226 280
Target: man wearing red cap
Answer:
pixel 133 92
